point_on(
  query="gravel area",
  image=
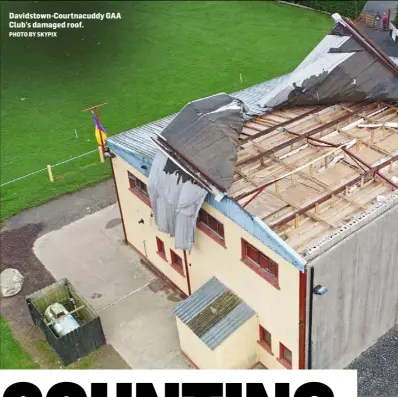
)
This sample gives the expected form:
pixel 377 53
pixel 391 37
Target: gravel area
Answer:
pixel 378 367
pixel 65 209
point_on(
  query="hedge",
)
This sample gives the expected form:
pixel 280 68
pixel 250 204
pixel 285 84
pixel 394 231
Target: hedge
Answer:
pixel 395 21
pixel 347 8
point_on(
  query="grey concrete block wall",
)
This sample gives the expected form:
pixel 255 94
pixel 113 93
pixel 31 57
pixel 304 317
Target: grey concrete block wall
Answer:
pixel 361 272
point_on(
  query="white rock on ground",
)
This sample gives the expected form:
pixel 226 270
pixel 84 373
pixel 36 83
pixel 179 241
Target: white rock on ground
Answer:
pixel 11 282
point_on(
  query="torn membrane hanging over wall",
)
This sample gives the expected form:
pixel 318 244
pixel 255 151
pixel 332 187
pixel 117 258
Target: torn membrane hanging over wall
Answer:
pixel 197 154
pixel 344 67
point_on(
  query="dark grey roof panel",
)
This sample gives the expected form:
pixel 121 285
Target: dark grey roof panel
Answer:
pixel 206 133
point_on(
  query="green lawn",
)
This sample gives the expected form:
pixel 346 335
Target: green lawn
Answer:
pixel 12 355
pixel 146 66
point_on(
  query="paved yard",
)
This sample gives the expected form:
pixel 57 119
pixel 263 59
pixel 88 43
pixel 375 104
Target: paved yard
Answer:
pixel 137 321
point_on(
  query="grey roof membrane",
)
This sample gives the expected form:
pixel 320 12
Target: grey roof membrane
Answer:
pixel 213 313
pixel 206 132
pixel 139 139
pixel 341 68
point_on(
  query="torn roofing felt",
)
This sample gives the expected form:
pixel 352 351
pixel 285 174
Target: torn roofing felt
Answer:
pixel 206 133
pixel 197 154
pixel 344 67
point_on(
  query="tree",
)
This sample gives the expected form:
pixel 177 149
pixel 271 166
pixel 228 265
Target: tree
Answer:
pixel 395 20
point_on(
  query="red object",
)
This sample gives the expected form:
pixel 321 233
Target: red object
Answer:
pixel 161 251
pixel 302 317
pixel 188 358
pixel 260 263
pixel 118 200
pixel 265 340
pixel 138 188
pixel 176 263
pixel 285 356
pixel 211 226
pixel 187 273
pixel 254 196
pixel 212 223
pixel 262 260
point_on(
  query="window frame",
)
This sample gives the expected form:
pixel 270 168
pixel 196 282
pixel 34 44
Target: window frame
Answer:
pixel 176 266
pixel 161 251
pixel 262 340
pixel 138 188
pixel 253 260
pixel 203 224
pixel 282 359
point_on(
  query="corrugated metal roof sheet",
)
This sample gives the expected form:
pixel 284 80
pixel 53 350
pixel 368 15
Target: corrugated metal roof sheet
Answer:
pixel 139 139
pixel 213 313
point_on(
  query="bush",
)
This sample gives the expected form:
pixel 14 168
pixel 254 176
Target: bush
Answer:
pixel 395 20
pixel 347 8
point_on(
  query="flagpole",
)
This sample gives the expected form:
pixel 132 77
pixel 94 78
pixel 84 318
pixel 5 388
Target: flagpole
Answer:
pixel 102 139
pixel 94 108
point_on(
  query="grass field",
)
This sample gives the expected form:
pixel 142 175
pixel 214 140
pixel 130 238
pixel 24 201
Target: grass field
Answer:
pixel 146 66
pixel 11 354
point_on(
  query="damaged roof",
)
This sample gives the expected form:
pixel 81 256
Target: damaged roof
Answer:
pixel 206 133
pixel 344 67
pixel 213 313
pixel 139 139
pixel 308 169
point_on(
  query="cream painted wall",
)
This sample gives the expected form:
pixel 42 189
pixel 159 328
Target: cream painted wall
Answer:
pixel 238 351
pixel 143 236
pixel 195 349
pixel 278 310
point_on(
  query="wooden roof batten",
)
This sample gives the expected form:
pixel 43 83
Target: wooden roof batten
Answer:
pixel 338 190
pixel 334 137
pixel 300 137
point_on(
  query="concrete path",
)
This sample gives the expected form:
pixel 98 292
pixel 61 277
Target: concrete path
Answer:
pixel 382 39
pixel 137 322
pixel 381 6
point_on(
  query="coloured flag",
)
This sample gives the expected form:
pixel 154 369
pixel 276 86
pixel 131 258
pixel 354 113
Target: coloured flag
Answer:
pixel 100 131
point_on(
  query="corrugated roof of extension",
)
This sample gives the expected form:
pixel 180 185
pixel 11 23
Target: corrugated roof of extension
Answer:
pixel 213 313
pixel 139 139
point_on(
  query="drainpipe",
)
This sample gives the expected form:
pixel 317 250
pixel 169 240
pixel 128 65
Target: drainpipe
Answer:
pixel 310 318
pixel 118 198
pixel 187 273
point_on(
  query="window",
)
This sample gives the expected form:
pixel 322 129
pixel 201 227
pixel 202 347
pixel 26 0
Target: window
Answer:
pixel 265 340
pixel 260 263
pixel 139 188
pixel 285 356
pixel 135 183
pixel 161 251
pixel 176 262
pixel 211 226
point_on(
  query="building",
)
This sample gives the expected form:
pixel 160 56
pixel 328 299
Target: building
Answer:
pixel 274 211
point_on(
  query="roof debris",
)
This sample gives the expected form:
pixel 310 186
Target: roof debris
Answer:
pixel 326 152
